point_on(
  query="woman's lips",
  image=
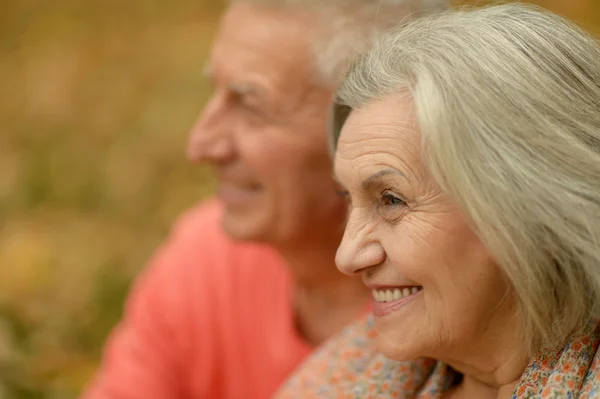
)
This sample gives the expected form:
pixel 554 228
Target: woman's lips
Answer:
pixel 389 299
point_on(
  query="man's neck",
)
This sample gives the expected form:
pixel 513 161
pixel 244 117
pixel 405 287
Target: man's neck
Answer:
pixel 324 299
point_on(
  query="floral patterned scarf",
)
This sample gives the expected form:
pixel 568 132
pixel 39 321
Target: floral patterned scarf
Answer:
pixel 349 367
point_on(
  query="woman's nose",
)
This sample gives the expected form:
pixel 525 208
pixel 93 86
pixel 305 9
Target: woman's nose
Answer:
pixel 359 249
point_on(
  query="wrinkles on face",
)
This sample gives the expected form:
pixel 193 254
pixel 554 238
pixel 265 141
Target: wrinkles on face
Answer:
pixel 359 249
pixel 361 222
pixel 264 130
pixel 247 56
pixel 430 243
pixel 380 144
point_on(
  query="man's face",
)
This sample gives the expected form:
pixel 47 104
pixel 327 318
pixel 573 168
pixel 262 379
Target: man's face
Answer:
pixel 263 129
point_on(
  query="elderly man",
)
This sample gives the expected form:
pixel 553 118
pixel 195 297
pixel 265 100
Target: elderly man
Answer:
pixel 246 285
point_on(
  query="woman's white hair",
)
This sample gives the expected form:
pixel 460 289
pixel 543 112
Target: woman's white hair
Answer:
pixel 508 103
pixel 347 27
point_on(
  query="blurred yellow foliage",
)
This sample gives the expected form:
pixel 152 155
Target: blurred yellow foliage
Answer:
pixel 97 99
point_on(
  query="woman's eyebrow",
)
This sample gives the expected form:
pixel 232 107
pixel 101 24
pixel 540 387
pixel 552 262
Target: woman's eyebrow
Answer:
pixel 368 182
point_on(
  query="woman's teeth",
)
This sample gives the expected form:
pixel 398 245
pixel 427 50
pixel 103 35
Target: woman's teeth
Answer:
pixel 389 295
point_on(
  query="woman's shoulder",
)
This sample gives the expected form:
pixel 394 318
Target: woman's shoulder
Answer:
pixel 571 371
pixel 349 366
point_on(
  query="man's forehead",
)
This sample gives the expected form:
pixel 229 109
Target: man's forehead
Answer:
pixel 262 40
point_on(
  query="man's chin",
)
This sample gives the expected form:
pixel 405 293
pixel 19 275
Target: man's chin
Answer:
pixel 237 197
pixel 243 227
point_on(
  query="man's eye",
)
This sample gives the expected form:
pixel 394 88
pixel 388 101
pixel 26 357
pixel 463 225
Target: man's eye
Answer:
pixel 388 199
pixel 344 194
pixel 250 107
pixel 246 104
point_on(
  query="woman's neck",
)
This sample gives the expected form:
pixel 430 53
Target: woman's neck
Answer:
pixel 492 358
pixel 491 368
pixel 471 388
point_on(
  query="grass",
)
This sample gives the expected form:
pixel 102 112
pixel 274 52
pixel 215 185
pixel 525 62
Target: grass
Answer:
pixel 97 100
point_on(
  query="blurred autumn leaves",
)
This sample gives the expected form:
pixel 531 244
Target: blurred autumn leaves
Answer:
pixel 97 97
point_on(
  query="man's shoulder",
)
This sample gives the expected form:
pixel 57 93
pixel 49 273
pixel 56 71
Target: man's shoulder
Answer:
pixel 199 259
pixel 198 231
pixel 201 220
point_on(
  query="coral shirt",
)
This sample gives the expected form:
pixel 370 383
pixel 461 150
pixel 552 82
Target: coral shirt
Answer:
pixel 210 318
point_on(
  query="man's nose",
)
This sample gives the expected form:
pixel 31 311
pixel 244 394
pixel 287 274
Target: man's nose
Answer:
pixel 211 139
pixel 359 249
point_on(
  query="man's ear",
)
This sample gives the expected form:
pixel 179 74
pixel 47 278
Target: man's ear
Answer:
pixel 338 113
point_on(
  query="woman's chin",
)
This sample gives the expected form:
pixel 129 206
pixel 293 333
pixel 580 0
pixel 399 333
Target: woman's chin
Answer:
pixel 401 336
pixel 401 349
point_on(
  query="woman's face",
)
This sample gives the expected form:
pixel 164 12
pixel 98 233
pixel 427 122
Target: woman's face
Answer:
pixel 437 291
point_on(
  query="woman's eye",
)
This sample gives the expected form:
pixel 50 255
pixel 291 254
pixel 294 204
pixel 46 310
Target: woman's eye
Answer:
pixel 391 200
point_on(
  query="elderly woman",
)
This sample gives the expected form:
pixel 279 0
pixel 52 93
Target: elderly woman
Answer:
pixel 471 162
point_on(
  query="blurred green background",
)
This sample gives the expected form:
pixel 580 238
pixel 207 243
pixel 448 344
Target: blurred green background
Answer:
pixel 97 97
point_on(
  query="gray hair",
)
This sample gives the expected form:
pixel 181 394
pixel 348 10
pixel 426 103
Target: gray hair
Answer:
pixel 348 27
pixel 508 103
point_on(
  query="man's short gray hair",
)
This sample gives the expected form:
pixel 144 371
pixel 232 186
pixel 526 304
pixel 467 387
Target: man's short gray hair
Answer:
pixel 348 27
pixel 508 103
